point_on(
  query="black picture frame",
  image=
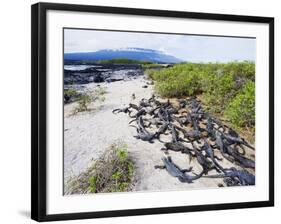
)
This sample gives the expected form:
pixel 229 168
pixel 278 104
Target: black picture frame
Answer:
pixel 39 108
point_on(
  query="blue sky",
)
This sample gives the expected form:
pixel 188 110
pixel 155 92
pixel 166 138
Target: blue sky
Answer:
pixel 192 48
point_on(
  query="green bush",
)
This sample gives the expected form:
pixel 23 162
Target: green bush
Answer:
pixel 241 110
pixel 219 91
pixel 179 80
pixel 218 83
pixel 241 70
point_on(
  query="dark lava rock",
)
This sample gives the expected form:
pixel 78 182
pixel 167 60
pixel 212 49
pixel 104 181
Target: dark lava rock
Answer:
pixel 102 73
pixel 98 78
pixel 114 78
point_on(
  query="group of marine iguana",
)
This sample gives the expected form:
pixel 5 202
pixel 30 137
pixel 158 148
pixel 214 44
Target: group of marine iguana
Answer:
pixel 189 123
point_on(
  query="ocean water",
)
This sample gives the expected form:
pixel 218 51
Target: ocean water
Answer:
pixel 80 67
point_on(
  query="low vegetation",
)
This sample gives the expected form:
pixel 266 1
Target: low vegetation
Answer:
pixel 70 95
pixel 144 64
pixel 243 106
pixel 123 61
pixel 227 89
pixel 112 172
pixel 85 99
pixel 70 92
pixel 83 102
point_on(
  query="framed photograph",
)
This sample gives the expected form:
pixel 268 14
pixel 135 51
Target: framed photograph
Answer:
pixel 140 111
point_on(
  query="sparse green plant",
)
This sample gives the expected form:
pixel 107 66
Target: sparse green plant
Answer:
pixel 70 92
pixel 83 102
pixel 112 172
pixel 98 94
pixel 122 154
pixel 92 181
pixel 70 95
pixel 91 96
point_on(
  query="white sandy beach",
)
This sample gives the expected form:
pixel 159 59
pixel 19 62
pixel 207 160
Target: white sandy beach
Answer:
pixel 88 134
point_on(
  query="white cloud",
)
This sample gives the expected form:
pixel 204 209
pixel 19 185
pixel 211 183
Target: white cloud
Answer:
pixel 186 47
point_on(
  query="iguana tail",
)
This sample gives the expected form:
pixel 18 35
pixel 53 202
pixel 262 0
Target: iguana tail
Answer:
pixel 212 176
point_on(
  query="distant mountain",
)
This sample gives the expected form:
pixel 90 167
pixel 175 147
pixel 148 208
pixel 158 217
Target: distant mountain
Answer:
pixel 129 53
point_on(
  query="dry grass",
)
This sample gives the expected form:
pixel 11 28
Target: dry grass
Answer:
pixel 86 99
pixel 112 172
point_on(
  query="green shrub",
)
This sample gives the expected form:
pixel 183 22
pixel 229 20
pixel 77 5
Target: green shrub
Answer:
pixel 112 172
pixel 219 91
pixel 241 70
pixel 241 110
pixel 179 80
pixel 219 83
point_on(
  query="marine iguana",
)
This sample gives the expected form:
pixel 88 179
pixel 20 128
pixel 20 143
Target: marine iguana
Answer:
pixel 172 110
pixel 154 121
pixel 209 150
pixel 151 112
pixel 190 135
pixel 245 162
pixel 195 124
pixel 162 130
pixel 205 163
pixel 174 132
pixel 182 103
pixel 167 115
pixel 133 96
pixel 139 113
pixel 144 103
pixel 233 133
pixel 222 148
pixel 231 139
pixel 231 154
pixel 179 120
pixel 134 106
pixel 121 110
pixel 175 171
pixel 237 150
pixel 186 118
pixel 210 128
pixel 140 124
pixel 160 114
pixel 178 147
pixel 151 99
pixel 145 135
pixel 210 154
pixel 244 177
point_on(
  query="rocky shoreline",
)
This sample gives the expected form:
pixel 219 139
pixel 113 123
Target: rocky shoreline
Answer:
pixel 102 73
